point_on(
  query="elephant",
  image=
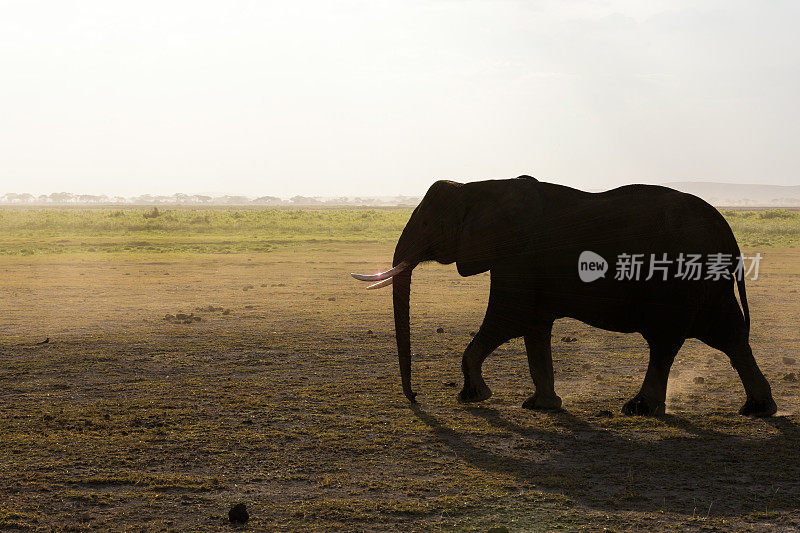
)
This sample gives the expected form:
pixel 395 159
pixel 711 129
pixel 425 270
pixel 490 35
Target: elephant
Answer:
pixel 529 235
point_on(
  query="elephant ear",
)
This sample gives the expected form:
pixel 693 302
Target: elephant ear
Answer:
pixel 497 219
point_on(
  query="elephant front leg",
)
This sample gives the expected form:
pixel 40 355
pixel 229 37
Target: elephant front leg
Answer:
pixel 540 362
pixel 475 388
pixel 651 400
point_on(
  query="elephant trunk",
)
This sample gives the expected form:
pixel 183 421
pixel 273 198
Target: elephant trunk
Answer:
pixel 401 292
pixel 406 256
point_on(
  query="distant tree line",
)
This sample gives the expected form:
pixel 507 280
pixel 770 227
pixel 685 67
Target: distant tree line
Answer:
pixel 66 198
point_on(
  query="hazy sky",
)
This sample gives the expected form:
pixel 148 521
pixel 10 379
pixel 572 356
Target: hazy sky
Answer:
pixel 378 97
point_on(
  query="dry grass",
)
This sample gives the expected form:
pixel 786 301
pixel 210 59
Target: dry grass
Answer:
pixel 289 403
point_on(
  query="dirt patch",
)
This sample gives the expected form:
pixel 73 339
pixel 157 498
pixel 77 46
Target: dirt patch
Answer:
pixel 182 318
pixel 125 418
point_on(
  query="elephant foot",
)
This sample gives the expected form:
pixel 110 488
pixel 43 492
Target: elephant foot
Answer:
pixel 540 402
pixel 641 406
pixel 470 394
pixel 759 408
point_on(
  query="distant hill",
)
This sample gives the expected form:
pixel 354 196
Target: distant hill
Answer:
pixel 734 194
pixel 719 194
pixel 67 198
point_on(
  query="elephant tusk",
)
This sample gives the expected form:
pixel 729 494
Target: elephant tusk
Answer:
pixel 380 284
pixel 383 275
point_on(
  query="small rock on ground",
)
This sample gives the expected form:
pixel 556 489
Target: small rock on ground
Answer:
pixel 238 514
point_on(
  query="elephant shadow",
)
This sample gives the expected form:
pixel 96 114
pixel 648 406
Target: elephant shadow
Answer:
pixel 691 471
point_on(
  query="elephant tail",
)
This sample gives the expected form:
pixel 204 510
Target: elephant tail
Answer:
pixel 743 300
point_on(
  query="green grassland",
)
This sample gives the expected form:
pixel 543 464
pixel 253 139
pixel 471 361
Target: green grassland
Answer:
pixel 769 227
pixel 154 230
pixel 177 230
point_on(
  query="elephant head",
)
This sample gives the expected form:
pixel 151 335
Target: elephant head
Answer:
pixel 476 225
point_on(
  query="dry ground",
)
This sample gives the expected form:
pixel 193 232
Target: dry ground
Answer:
pixel 292 404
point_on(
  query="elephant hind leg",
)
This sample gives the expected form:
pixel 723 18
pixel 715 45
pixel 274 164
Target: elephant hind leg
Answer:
pixel 651 399
pixel 727 332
